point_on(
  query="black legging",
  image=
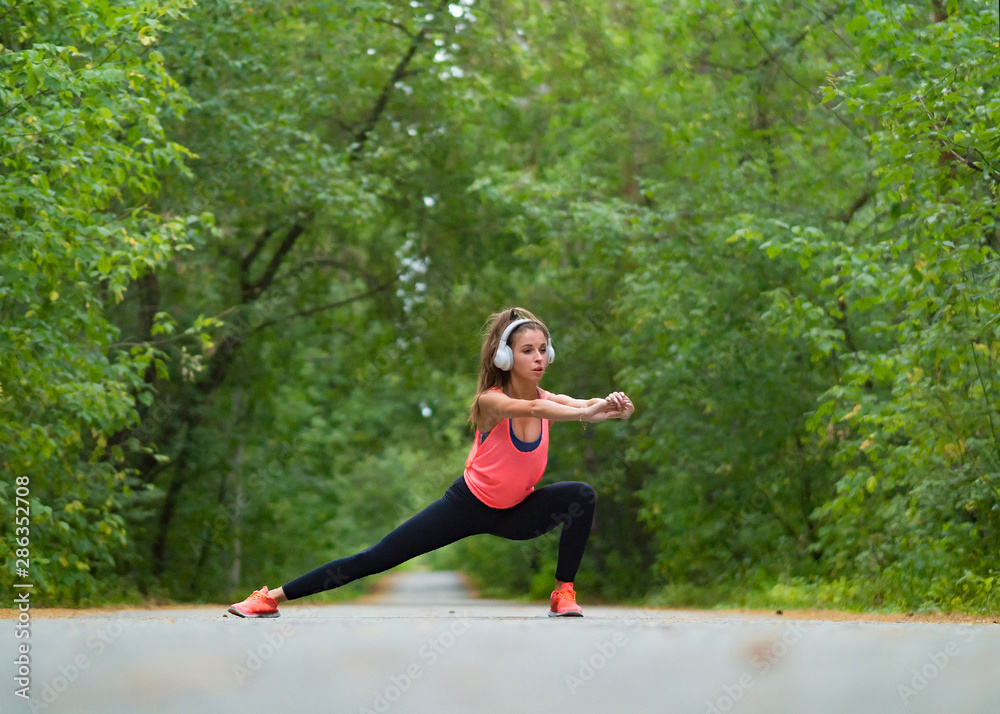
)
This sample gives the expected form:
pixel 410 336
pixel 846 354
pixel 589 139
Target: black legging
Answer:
pixel 459 514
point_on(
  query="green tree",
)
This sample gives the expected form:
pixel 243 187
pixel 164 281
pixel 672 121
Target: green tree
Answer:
pixel 81 150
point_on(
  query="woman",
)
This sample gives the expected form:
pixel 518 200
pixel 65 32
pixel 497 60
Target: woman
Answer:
pixel 496 494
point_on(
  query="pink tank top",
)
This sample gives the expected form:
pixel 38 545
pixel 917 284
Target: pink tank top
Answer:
pixel 500 473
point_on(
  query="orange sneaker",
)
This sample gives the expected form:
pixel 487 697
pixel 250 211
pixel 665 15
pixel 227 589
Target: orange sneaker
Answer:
pixel 563 602
pixel 260 604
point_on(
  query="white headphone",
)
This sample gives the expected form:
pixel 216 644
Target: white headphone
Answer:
pixel 504 358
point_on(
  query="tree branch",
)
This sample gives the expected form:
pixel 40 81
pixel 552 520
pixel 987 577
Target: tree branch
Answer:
pixel 383 98
pixel 258 245
pixel 795 42
pixel 784 70
pixel 398 25
pixel 357 270
pixel 948 143
pixel 859 202
pixel 328 306
pixel 251 291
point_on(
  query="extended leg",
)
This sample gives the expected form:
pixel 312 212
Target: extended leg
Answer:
pixel 441 523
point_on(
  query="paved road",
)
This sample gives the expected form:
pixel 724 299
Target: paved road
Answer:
pixel 424 646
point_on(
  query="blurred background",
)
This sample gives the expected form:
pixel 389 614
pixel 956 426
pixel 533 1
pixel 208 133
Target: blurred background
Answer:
pixel 247 249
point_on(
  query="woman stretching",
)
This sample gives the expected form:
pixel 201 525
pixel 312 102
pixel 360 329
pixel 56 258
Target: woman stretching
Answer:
pixel 497 492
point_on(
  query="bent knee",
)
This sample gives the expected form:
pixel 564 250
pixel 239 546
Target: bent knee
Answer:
pixel 586 493
pixel 581 497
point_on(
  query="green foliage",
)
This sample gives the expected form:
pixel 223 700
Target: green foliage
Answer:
pixel 247 249
pixel 81 149
pixel 890 480
pixel 913 413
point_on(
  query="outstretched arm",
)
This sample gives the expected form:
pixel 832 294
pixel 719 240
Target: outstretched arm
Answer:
pixel 618 399
pixel 495 406
pixel 572 402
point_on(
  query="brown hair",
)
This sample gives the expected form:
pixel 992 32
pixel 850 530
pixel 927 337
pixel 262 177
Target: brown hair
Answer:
pixel 489 374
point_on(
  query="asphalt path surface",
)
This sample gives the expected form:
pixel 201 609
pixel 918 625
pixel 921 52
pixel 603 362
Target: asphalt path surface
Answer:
pixel 425 646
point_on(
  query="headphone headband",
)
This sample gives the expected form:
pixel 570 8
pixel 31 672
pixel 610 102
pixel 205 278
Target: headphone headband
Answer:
pixel 504 357
pixel 510 328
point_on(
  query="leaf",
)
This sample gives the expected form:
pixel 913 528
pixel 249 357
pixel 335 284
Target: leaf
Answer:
pixel 856 24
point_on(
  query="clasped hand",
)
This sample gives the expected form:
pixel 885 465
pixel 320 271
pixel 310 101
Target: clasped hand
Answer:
pixel 614 406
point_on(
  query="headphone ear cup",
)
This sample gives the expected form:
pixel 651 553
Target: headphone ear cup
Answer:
pixel 551 352
pixel 504 358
